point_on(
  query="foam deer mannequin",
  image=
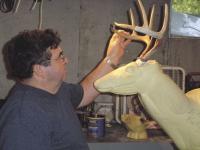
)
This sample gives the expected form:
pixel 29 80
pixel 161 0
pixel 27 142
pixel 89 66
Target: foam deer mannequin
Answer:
pixel 160 96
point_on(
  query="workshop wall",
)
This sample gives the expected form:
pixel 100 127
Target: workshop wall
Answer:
pixel 84 26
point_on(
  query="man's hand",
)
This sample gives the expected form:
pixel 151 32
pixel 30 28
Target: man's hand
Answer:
pixel 117 47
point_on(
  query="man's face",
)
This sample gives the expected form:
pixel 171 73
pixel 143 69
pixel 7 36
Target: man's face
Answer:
pixel 56 71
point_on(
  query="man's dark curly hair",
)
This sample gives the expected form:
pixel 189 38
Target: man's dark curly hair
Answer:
pixel 28 48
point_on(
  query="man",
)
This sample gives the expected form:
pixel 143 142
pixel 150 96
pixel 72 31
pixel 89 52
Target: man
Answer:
pixel 39 113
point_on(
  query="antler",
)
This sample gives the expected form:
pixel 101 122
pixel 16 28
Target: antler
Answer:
pixel 150 37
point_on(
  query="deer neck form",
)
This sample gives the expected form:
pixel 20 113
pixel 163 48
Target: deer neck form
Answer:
pixel 148 80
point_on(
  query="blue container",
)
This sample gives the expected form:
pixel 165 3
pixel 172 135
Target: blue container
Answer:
pixel 96 126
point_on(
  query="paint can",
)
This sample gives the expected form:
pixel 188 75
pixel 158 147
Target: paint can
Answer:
pixel 82 116
pixel 96 126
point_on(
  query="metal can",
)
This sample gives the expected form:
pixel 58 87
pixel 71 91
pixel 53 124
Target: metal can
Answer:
pixel 96 126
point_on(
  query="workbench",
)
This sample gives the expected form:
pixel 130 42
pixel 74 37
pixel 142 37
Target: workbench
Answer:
pixel 115 139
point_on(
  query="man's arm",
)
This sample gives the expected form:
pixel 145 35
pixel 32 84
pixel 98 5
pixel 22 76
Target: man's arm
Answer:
pixel 114 54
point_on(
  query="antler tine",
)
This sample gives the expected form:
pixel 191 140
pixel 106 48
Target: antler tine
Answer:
pixel 125 26
pixel 165 22
pixel 149 51
pixel 132 20
pixel 152 17
pixel 146 49
pixel 144 15
pixel 155 34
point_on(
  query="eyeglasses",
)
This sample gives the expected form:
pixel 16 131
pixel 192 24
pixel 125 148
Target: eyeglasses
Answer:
pixel 60 57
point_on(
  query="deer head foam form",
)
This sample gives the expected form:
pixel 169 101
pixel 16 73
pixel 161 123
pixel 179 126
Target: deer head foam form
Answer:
pixel 160 96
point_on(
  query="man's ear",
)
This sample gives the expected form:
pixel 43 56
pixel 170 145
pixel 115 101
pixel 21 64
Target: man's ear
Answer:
pixel 38 71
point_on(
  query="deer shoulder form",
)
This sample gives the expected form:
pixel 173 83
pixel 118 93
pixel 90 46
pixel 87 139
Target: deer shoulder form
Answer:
pixel 160 96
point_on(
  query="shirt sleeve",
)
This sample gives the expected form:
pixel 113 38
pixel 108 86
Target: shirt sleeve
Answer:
pixel 72 92
pixel 76 94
